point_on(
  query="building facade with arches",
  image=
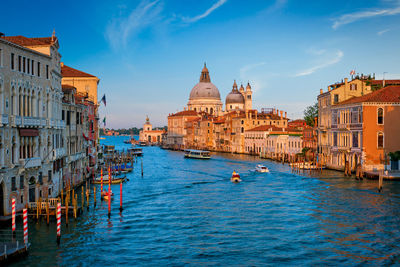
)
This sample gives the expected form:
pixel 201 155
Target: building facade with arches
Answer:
pixel 31 128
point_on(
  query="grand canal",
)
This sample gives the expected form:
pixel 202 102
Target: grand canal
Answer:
pixel 187 212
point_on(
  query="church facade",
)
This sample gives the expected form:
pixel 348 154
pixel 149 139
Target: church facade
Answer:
pixel 205 124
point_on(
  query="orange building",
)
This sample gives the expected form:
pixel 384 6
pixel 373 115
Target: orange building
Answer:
pixel 366 128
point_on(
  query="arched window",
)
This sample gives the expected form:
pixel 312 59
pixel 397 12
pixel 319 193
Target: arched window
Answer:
pixel 211 110
pixel 207 110
pixel 380 140
pixel 194 109
pixel 380 115
pixel 242 130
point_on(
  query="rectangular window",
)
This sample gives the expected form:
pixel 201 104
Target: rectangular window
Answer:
pixel 335 98
pixel 23 64
pixel 380 140
pixel 47 71
pixel 12 61
pixel 19 63
pixel 38 69
pixel 40 178
pixel 63 115
pixel 353 87
pixel 13 184
pixel 21 182
pixel 32 67
pixel 334 139
pixel 355 139
pixel 49 173
pixel 68 117
pixel 28 65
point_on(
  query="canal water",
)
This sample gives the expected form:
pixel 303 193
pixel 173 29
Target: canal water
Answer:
pixel 187 212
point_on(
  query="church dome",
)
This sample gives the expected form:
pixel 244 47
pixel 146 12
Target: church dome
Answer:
pixel 234 97
pixel 205 89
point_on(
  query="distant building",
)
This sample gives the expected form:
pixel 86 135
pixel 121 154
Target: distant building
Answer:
pixel 149 135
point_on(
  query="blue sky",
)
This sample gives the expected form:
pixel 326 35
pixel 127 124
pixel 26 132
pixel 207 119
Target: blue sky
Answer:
pixel 149 54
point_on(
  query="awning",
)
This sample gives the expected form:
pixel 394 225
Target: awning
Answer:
pixel 28 132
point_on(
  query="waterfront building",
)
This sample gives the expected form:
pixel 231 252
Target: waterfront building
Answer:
pixel 149 135
pixel 176 128
pixel 75 115
pixel 365 129
pixel 273 142
pixel 339 92
pixel 298 124
pixel 31 129
pixel 86 85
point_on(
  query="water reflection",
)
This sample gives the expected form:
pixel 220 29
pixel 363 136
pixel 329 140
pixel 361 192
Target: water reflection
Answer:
pixel 188 212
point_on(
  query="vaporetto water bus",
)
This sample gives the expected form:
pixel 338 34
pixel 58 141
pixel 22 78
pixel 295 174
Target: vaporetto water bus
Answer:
pixel 197 154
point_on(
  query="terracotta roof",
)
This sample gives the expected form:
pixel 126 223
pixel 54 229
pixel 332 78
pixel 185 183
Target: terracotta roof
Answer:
pixel 25 41
pixel 184 113
pixel 193 119
pixel 387 82
pixel 67 71
pixel 298 120
pixel 386 94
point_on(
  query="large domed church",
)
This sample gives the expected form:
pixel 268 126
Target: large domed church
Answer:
pixel 205 97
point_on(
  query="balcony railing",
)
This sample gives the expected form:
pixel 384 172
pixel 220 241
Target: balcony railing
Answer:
pixel 58 153
pixel 30 162
pixel 16 120
pixel 30 121
pixel 4 119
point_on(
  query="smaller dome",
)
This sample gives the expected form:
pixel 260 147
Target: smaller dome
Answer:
pixel 234 97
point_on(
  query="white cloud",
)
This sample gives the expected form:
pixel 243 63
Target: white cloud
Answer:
pixel 352 17
pixel 338 56
pixel 121 29
pixel 279 4
pixel 382 32
pixel 205 14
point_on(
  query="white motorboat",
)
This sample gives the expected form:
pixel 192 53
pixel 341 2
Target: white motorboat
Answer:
pixel 197 154
pixel 261 168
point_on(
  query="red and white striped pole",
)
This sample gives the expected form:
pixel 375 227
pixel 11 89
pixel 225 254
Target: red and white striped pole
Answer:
pixel 101 177
pixel 120 197
pixel 58 222
pixel 109 193
pixel 25 212
pixel 13 216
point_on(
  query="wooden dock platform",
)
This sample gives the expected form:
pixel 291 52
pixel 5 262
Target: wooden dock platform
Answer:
pixel 10 251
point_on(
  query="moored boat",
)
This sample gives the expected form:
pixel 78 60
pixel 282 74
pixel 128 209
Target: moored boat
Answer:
pixel 136 151
pixel 113 180
pixel 261 168
pixel 197 154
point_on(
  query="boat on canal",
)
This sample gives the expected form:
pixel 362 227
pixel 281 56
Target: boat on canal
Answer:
pixel 114 180
pixel 235 177
pixel 136 151
pixel 197 154
pixel 261 168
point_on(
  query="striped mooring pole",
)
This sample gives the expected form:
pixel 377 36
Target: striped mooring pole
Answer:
pixel 13 216
pixel 58 223
pixel 101 177
pixel 25 212
pixel 109 193
pixel 120 197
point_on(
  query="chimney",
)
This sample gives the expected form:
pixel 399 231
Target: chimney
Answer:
pixel 273 111
pixel 329 88
pixel 321 91
pixel 277 111
pixel 285 115
pixel 62 64
pixel 256 113
pixel 281 114
pixel 346 80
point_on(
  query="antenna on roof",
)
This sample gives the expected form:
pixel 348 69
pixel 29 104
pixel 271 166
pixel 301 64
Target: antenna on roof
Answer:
pixel 53 35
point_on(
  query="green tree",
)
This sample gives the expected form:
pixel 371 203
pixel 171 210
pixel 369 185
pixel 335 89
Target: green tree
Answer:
pixel 310 113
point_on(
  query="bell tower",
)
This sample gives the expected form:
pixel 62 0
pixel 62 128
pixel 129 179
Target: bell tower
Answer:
pixel 248 100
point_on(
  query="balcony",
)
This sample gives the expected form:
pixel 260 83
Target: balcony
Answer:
pixel 4 119
pixel 30 122
pixel 58 153
pixel 76 156
pixel 30 162
pixel 15 121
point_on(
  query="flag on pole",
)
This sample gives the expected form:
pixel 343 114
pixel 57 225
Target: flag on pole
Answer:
pixel 352 72
pixel 104 121
pixel 103 99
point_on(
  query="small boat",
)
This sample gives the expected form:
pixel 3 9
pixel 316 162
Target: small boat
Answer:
pixel 104 195
pixel 102 138
pixel 197 154
pixel 143 143
pixel 235 177
pixel 261 168
pixel 113 180
pixel 136 151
